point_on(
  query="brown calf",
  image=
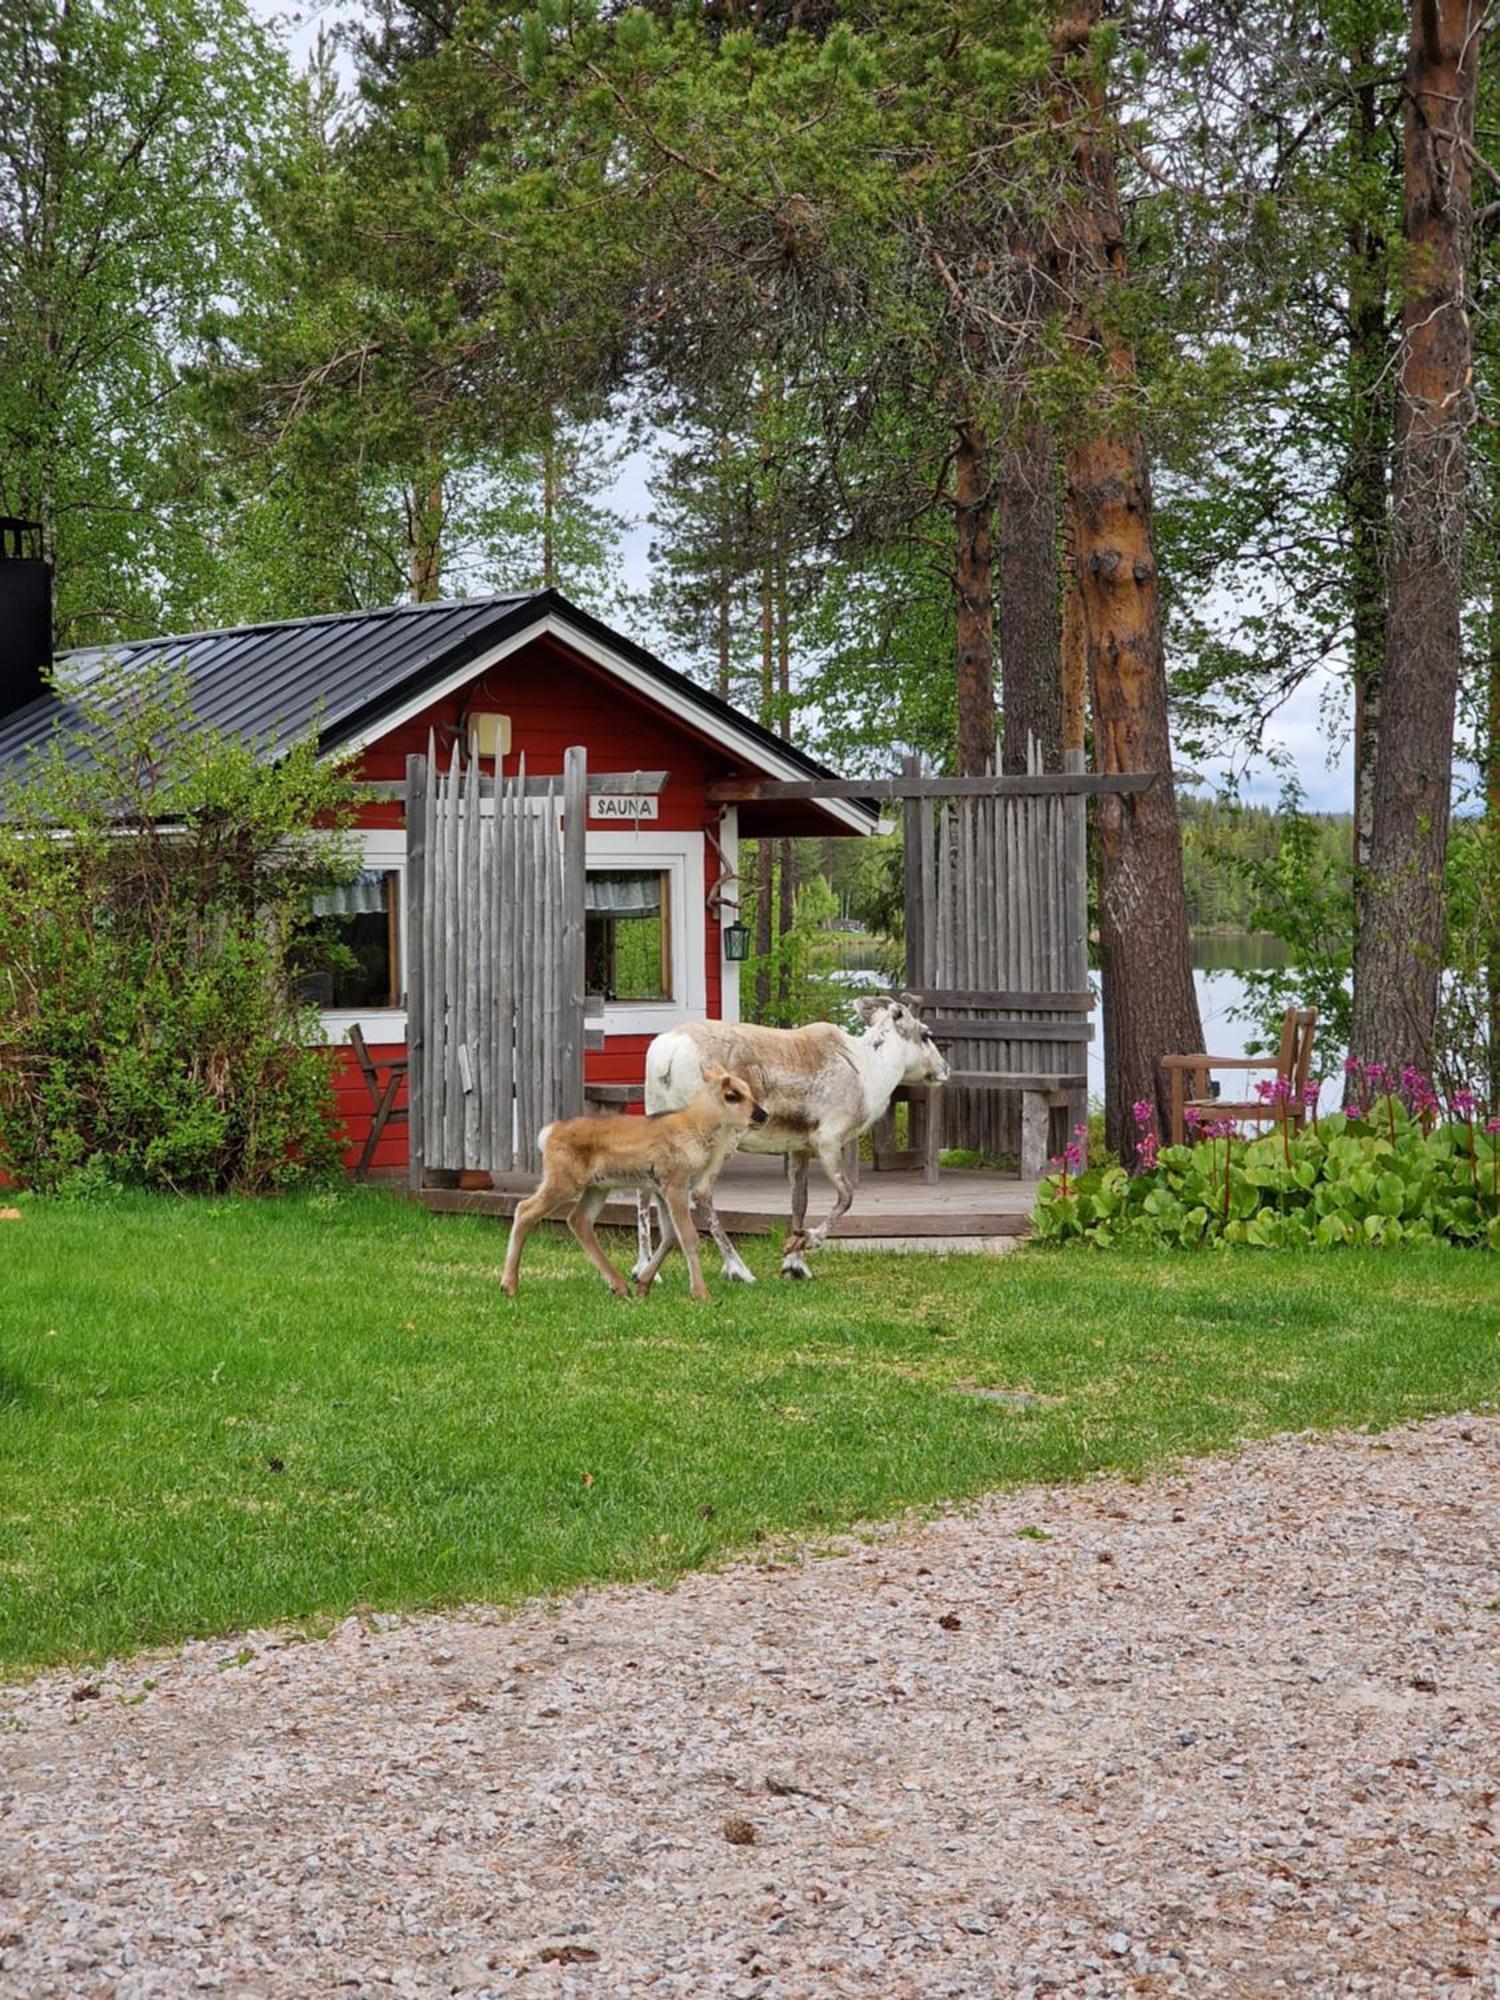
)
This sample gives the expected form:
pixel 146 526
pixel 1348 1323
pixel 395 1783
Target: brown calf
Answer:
pixel 673 1156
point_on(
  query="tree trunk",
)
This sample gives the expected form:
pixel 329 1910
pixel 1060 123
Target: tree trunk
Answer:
pixel 1364 477
pixel 786 910
pixel 974 506
pixel 1150 1004
pixel 424 531
pixel 1492 830
pixel 1030 638
pixel 1074 648
pixel 765 850
pixel 723 634
pixel 1399 952
pixel 549 510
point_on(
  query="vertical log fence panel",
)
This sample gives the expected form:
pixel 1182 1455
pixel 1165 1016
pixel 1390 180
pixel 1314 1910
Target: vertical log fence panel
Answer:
pixel 997 930
pixel 495 975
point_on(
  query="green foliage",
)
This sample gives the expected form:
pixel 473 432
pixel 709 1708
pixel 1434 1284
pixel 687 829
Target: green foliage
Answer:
pixel 154 879
pixel 1380 1180
pixel 1303 893
pixel 128 129
pixel 799 975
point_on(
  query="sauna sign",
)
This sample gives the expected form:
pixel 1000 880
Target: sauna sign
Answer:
pixel 623 806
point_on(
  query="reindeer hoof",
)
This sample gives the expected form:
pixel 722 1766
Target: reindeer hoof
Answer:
pixel 738 1275
pixel 794 1267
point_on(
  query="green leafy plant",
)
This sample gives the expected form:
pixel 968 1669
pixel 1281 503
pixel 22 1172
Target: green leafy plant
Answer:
pixel 1390 1169
pixel 155 882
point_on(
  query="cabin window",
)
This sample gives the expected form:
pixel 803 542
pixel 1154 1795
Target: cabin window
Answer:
pixel 627 941
pixel 362 920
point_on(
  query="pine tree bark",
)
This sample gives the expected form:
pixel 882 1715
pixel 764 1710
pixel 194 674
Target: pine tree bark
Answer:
pixel 1398 960
pixel 1030 635
pixel 1492 825
pixel 1365 468
pixel 973 516
pixel 1150 1004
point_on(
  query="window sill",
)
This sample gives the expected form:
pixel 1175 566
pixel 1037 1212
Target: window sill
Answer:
pixel 377 1024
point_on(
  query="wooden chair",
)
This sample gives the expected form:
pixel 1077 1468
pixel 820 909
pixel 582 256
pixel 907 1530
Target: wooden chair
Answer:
pixel 1292 1064
pixel 382 1096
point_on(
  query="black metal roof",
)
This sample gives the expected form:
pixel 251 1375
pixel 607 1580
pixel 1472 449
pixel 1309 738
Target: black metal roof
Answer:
pixel 346 671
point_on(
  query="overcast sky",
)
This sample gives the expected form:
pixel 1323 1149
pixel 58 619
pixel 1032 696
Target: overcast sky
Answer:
pixel 1299 731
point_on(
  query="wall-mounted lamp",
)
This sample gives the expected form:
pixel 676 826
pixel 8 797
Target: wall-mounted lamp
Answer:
pixel 489 734
pixel 736 941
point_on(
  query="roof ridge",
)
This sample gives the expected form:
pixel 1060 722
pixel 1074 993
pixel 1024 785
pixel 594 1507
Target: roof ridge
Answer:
pixel 402 610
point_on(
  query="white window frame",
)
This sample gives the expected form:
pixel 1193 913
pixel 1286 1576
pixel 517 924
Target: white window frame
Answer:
pixel 383 848
pixel 678 856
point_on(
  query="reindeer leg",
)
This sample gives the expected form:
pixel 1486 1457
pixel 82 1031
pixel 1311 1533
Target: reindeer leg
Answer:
pixel 548 1198
pixel 706 1219
pixel 687 1235
pixel 645 1274
pixel 581 1222
pixel 643 1243
pixel 831 1160
pixel 793 1263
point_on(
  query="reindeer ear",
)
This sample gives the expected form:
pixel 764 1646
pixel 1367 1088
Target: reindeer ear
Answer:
pixel 912 1000
pixel 714 1073
pixel 867 1008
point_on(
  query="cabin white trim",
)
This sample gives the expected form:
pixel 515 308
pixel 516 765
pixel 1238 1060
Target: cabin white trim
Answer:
pixel 713 725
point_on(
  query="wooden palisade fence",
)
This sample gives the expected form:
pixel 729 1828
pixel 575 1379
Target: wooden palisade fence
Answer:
pixel 997 951
pixel 996 937
pixel 495 982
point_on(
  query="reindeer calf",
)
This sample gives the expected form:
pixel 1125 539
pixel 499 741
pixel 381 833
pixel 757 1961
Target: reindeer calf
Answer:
pixel 674 1156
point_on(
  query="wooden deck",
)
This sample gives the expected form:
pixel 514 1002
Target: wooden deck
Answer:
pixel 754 1197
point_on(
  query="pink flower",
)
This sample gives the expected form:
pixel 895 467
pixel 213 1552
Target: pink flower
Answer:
pixel 1148 1150
pixel 1143 1111
pixel 1080 1131
pixel 1192 1117
pixel 1263 1090
pixel 1074 1156
pixel 1373 1073
pixel 1463 1104
pixel 1351 1065
pixel 1309 1093
pixel 1353 1111
pixel 1492 1125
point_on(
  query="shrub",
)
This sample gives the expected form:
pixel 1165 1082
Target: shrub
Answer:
pixel 154 881
pixel 1390 1169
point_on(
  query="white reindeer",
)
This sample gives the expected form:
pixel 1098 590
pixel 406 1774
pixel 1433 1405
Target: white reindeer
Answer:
pixel 821 1088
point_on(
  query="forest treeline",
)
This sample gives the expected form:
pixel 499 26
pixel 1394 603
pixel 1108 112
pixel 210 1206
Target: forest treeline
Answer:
pixel 1097 375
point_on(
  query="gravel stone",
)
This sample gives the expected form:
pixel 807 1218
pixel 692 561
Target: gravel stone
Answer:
pixel 1256 1754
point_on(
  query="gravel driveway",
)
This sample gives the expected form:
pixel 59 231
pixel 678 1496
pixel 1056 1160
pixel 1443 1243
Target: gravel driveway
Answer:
pixel 1232 1732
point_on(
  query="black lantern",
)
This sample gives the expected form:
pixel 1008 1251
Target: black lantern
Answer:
pixel 736 941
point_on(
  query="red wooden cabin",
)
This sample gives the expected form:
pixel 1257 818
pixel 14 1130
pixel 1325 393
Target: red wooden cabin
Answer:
pixel 538 674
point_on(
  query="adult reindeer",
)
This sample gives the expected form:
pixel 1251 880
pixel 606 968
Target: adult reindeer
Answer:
pixel 821 1088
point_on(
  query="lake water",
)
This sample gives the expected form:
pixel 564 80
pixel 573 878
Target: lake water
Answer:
pixel 1219 961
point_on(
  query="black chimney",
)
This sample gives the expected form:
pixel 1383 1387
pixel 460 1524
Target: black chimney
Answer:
pixel 25 614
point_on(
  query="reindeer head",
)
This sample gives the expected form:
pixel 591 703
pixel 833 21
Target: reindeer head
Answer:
pixel 886 1015
pixel 732 1098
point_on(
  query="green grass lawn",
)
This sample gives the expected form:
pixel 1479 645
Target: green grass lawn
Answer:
pixel 218 1414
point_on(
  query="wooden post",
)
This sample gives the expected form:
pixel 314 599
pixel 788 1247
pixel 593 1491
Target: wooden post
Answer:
pixel 575 831
pixel 912 812
pixel 416 907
